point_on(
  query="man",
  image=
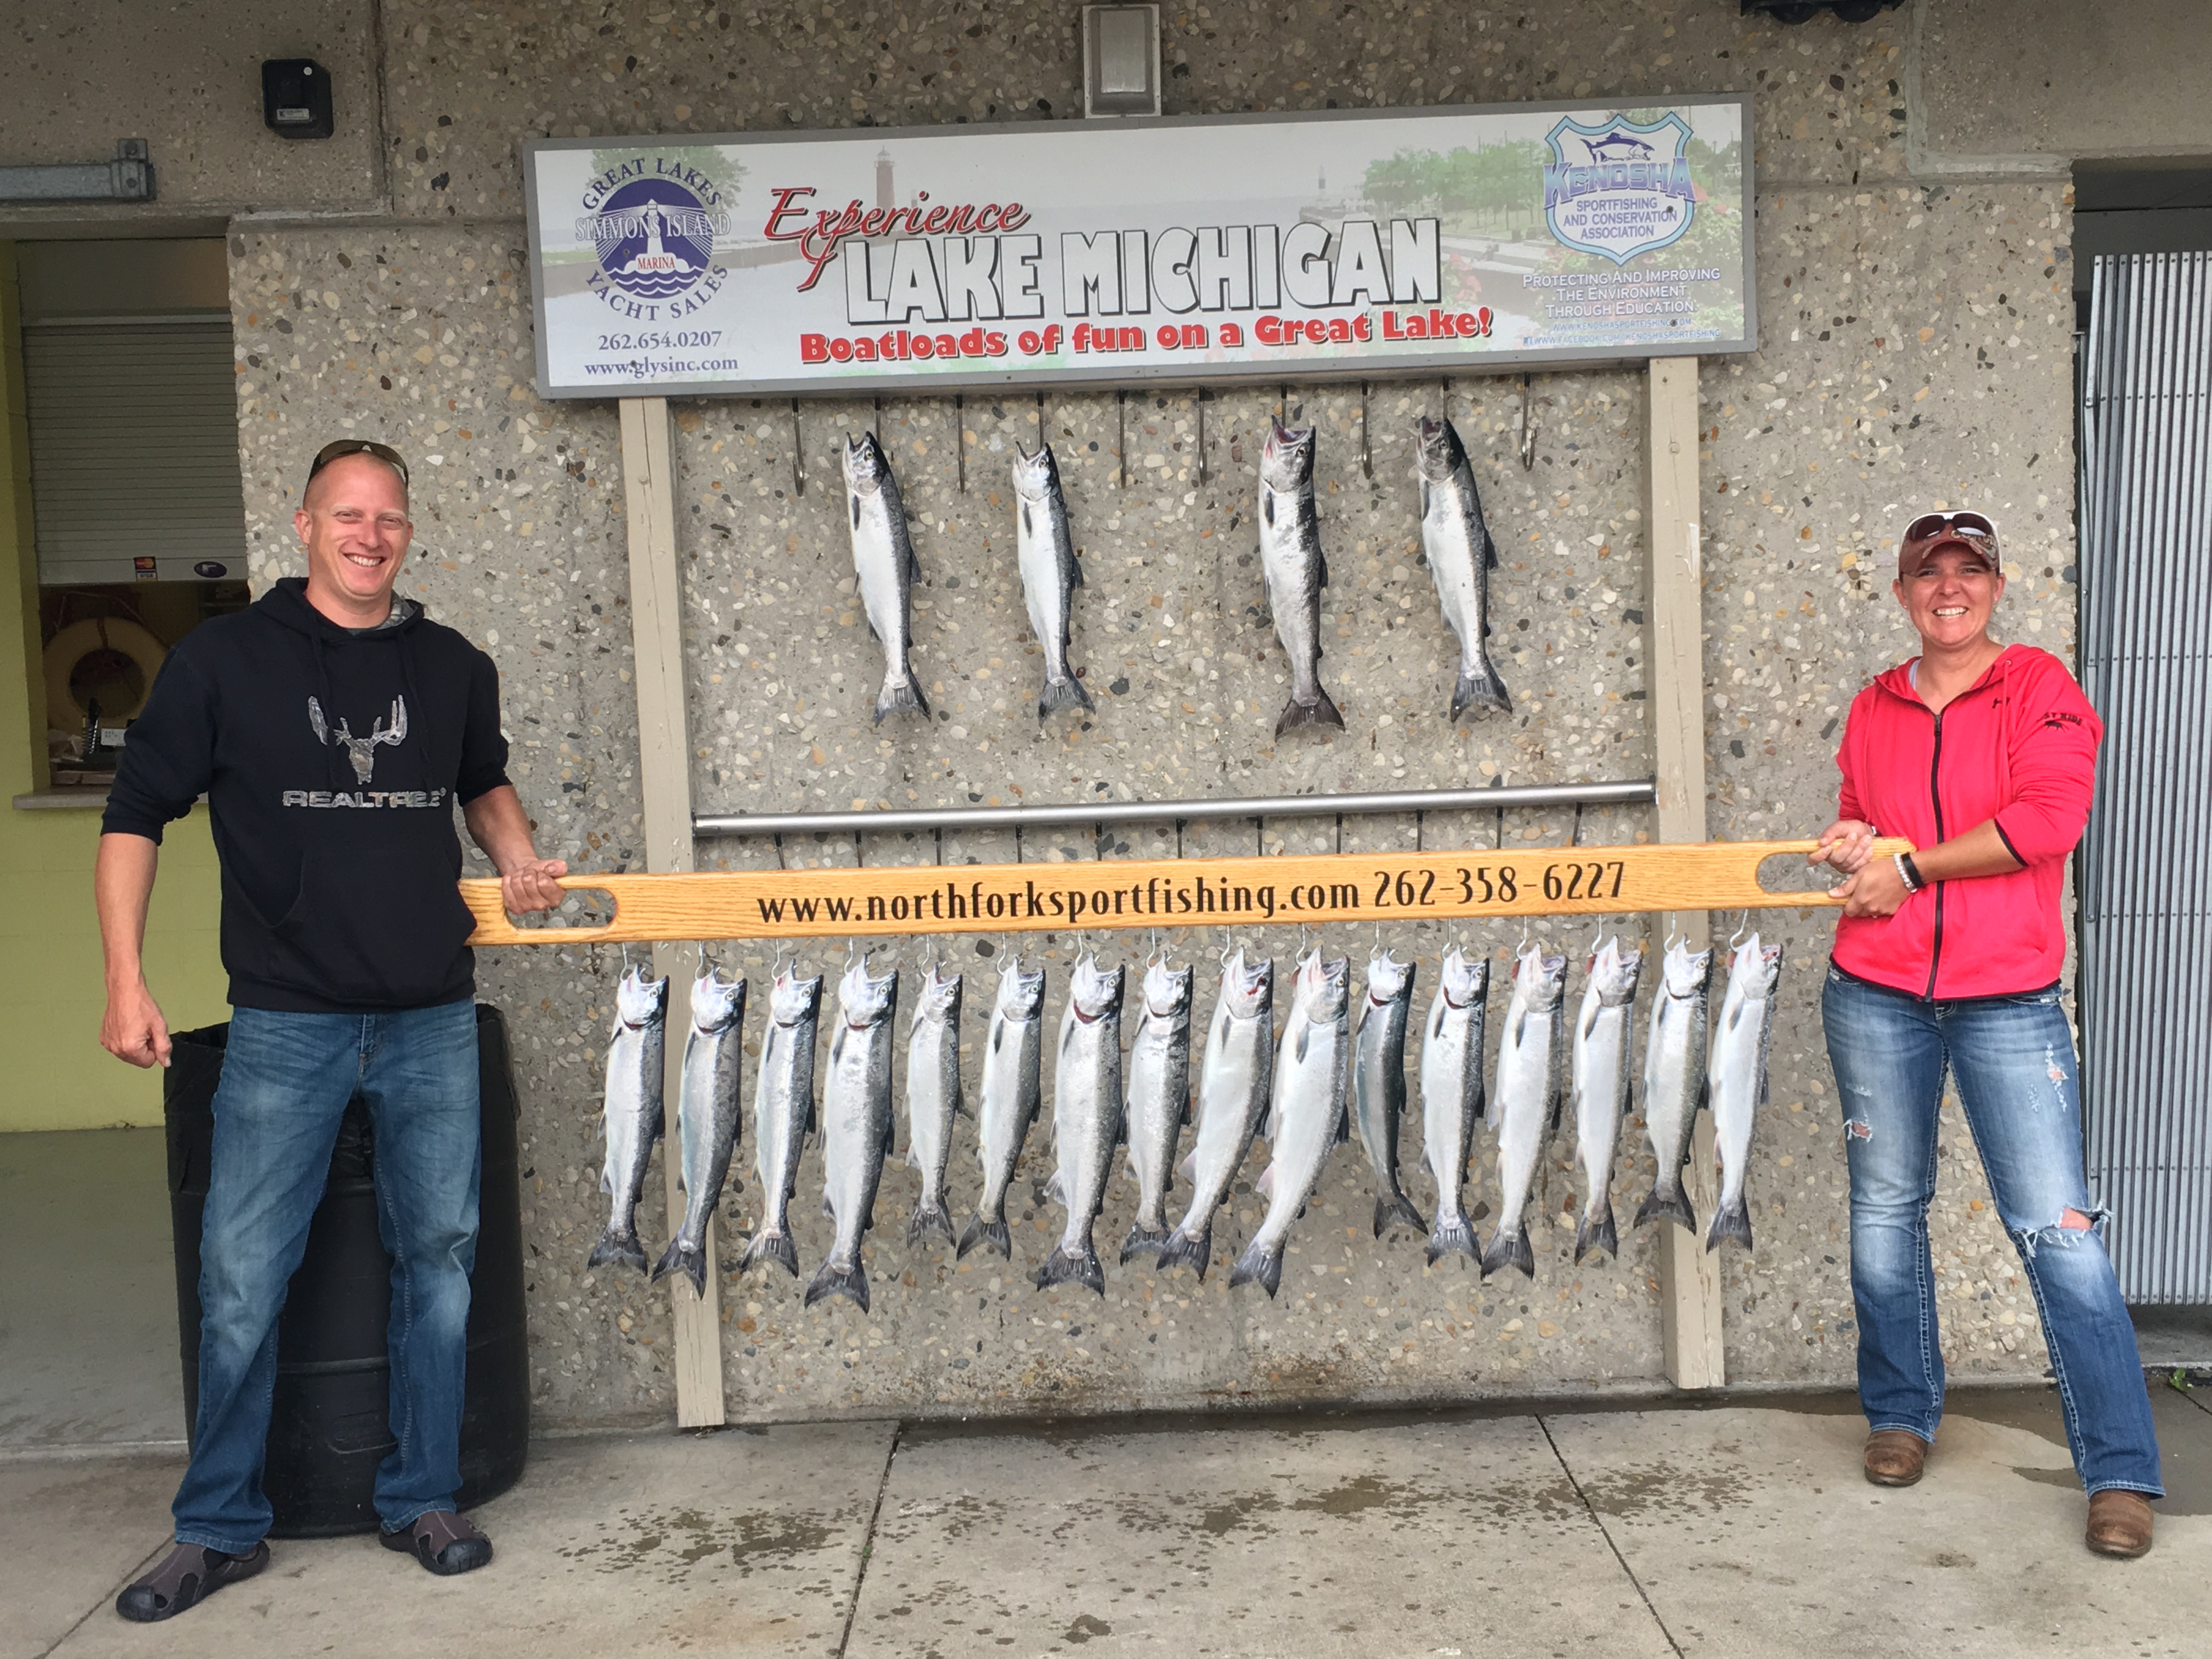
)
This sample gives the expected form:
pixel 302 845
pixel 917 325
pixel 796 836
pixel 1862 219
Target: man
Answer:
pixel 333 729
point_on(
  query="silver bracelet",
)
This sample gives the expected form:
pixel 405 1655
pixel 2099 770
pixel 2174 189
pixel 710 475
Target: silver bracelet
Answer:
pixel 1905 873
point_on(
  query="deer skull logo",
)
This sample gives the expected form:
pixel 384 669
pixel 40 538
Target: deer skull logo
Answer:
pixel 362 751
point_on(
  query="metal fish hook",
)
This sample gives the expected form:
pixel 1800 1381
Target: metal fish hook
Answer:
pixel 1524 937
pixel 1742 922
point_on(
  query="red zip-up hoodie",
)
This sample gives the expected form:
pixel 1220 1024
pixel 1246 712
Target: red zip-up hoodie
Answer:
pixel 2019 747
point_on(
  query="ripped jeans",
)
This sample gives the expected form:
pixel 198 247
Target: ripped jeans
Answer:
pixel 2013 1059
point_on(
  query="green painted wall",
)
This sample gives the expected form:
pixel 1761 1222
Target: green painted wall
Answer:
pixel 56 1076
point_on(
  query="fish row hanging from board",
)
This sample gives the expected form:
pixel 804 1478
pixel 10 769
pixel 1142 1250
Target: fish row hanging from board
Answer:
pixel 1318 1084
pixel 1454 540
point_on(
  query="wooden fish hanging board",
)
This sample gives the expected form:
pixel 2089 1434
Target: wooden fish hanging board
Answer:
pixel 1314 891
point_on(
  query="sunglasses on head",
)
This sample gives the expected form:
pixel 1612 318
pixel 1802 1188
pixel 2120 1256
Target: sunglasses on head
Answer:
pixel 1932 527
pixel 345 447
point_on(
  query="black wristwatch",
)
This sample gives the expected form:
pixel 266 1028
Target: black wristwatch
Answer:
pixel 1909 873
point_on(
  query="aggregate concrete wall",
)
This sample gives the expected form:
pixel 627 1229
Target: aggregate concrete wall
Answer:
pixel 1915 350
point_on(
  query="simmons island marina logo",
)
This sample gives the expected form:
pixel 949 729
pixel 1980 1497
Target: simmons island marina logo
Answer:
pixel 653 222
pixel 1619 188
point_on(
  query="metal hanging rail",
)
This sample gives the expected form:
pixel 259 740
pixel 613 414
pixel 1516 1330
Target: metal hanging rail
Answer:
pixel 1634 792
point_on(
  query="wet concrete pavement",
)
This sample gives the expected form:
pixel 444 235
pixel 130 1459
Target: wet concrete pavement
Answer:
pixel 1721 1529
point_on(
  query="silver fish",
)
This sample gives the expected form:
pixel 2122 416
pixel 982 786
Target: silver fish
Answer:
pixel 634 1087
pixel 1461 558
pixel 1525 1108
pixel 783 1113
pixel 1290 557
pixel 1735 1079
pixel 707 1113
pixel 1675 1075
pixel 1233 1087
pixel 883 560
pixel 1604 1035
pixel 1011 1095
pixel 933 1096
pixel 1452 1095
pixel 1307 1122
pixel 856 1127
pixel 1050 572
pixel 1086 1118
pixel 1378 1084
pixel 1159 1097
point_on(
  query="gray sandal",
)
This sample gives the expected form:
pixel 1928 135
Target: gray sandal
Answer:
pixel 186 1577
pixel 442 1541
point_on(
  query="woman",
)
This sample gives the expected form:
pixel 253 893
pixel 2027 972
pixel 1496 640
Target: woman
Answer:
pixel 1983 756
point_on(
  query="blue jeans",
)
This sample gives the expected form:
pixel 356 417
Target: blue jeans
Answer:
pixel 2013 1058
pixel 286 1081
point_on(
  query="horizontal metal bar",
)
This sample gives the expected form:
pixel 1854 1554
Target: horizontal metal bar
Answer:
pixel 128 178
pixel 1636 792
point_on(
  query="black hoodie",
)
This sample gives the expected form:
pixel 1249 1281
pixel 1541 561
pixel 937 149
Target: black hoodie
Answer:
pixel 332 762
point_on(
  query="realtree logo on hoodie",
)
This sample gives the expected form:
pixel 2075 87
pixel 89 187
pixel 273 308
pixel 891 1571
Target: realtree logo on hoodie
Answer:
pixel 362 751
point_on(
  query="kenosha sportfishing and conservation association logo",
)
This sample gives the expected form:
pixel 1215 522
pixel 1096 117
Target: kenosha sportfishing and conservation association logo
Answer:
pixel 653 222
pixel 1619 188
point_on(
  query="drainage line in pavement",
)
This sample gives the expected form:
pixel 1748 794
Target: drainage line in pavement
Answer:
pixel 1590 1509
pixel 868 1543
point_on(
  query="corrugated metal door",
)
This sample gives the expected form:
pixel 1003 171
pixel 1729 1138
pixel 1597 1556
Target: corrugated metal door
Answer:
pixel 2146 864
pixel 134 450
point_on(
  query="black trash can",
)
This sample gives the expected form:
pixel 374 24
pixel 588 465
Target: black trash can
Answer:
pixel 327 1430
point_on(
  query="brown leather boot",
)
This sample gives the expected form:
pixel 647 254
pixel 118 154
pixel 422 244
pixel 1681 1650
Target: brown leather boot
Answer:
pixel 1895 1457
pixel 2119 1523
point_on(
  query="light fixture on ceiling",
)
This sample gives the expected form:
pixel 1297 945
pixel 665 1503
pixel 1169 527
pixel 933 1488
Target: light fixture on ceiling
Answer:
pixel 1804 11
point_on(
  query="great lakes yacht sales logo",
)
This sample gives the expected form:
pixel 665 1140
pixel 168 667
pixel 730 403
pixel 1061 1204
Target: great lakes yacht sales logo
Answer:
pixel 652 222
pixel 1619 188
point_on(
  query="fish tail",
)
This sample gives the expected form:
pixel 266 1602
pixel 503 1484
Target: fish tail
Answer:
pixel 1078 1267
pixel 979 1231
pixel 1261 1264
pixel 1598 1234
pixel 900 694
pixel 928 1218
pixel 1510 1250
pixel 1478 688
pixel 1142 1238
pixel 689 1259
pixel 617 1244
pixel 1731 1221
pixel 830 1279
pixel 1670 1201
pixel 1454 1238
pixel 771 1244
pixel 1186 1249
pixel 1322 711
pixel 1390 1207
pixel 1063 693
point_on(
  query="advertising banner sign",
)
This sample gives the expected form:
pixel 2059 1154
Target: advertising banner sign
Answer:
pixel 1184 250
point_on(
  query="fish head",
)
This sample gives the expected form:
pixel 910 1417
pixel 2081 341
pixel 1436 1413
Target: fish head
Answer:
pixel 1247 988
pixel 1094 991
pixel 1758 967
pixel 1687 973
pixel 1465 982
pixel 1436 450
pixel 1324 988
pixel 1540 980
pixel 716 1003
pixel 1614 973
pixel 1021 993
pixel 1286 457
pixel 939 996
pixel 1167 991
pixel 866 467
pixel 1387 979
pixel 1036 477
pixel 865 1001
pixel 639 1001
pixel 791 998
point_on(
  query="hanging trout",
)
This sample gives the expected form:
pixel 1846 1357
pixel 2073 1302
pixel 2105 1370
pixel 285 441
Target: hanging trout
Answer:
pixel 708 1114
pixel 932 1098
pixel 884 562
pixel 1452 1095
pixel 1460 556
pixel 856 1127
pixel 1233 1085
pixel 1603 1037
pixel 1526 1106
pixel 1307 1121
pixel 1010 1095
pixel 1160 1099
pixel 1735 1079
pixel 1378 1084
pixel 1086 1119
pixel 1290 557
pixel 1051 573
pixel 1674 1077
pixel 635 1086
pixel 783 1112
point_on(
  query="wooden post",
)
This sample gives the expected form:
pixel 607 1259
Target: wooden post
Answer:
pixel 656 607
pixel 1689 1275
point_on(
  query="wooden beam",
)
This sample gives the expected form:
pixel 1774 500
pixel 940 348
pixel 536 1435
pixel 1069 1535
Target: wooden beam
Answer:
pixel 1674 678
pixel 656 607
